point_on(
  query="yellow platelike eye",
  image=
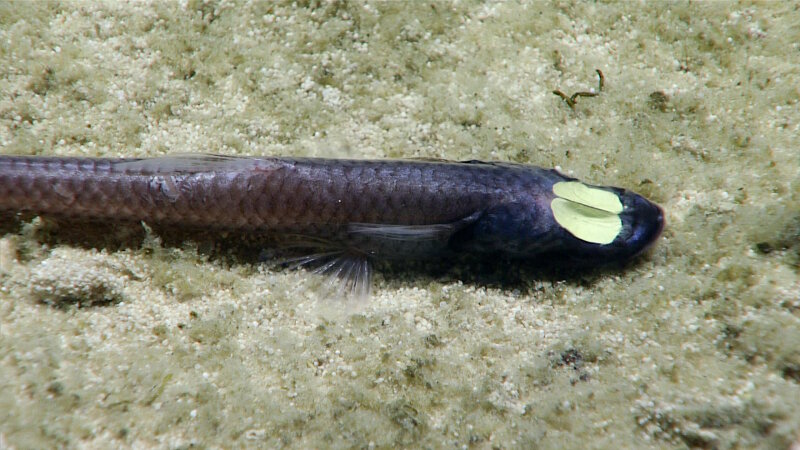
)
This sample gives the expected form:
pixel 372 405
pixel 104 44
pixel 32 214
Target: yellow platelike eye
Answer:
pixel 588 213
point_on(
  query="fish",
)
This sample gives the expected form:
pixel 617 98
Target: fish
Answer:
pixel 349 213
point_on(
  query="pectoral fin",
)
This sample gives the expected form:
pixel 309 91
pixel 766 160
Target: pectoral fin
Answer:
pixel 401 232
pixel 413 233
pixel 405 241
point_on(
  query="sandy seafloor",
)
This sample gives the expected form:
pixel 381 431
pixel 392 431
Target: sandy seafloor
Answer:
pixel 696 345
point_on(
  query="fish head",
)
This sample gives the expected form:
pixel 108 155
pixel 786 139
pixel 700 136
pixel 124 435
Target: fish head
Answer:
pixel 599 225
pixel 571 223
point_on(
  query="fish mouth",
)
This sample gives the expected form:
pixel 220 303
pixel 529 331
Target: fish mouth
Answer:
pixel 643 223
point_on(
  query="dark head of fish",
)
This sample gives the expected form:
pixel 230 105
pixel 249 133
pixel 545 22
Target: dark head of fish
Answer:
pixel 528 229
pixel 642 224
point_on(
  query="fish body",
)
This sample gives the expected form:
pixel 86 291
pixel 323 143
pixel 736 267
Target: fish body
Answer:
pixel 384 209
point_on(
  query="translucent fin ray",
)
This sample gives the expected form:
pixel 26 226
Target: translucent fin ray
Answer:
pixel 401 232
pixel 411 232
pixel 347 274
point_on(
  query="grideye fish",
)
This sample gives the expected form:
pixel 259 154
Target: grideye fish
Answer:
pixel 356 211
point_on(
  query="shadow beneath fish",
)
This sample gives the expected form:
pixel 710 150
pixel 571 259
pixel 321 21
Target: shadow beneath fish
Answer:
pixel 233 248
